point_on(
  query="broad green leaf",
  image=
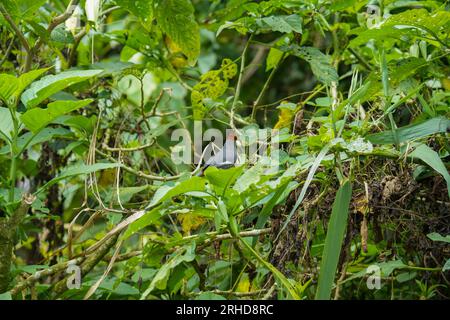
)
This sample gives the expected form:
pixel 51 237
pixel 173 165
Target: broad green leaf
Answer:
pixel 29 139
pixel 6 123
pixel 8 86
pixel 7 296
pixel 125 193
pixel 140 8
pixel 37 118
pixel 407 23
pixel 319 62
pixel 437 237
pixel 284 24
pixel 51 84
pixel 221 179
pixel 77 171
pixel 184 254
pixel 27 78
pixel 147 219
pixel 333 241
pixel 273 58
pixel 11 87
pixel 176 19
pixel 431 158
pixel 412 131
pixel 166 192
pixel 22 9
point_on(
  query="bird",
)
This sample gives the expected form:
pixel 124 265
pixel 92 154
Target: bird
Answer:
pixel 225 157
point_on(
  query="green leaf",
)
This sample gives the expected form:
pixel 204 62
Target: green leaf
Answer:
pixel 27 78
pixel 77 171
pixel 125 193
pixel 184 254
pixel 176 19
pixel 62 35
pixel 6 124
pixel 273 58
pixel 437 237
pixel 147 219
pixel 11 87
pixel 22 9
pixel 8 86
pixel 284 24
pixel 221 179
pixel 5 296
pixel 140 8
pixel 319 62
pixel 166 192
pixel 333 241
pixel 407 23
pixel 308 180
pixel 446 265
pixel 277 274
pixel 37 118
pixel 51 84
pixel 412 131
pixel 431 158
pixel 209 296
pixel 29 139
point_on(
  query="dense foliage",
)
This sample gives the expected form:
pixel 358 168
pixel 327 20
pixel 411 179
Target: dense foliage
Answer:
pixel 95 204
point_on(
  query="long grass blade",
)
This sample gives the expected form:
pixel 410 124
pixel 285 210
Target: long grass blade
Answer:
pixel 333 241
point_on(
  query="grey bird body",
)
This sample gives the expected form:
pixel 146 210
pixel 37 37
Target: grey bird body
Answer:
pixel 225 157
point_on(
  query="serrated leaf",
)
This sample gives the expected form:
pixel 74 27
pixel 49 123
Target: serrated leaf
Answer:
pixel 176 19
pixel 51 84
pixel 37 118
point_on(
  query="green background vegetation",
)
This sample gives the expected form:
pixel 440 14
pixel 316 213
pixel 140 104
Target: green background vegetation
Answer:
pixel 89 98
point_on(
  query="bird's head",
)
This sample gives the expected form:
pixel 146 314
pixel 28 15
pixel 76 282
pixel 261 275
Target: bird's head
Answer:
pixel 231 135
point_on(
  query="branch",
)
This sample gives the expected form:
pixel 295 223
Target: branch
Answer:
pixel 86 267
pixel 137 172
pixel 31 280
pixel 20 36
pixel 56 21
pixel 7 52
